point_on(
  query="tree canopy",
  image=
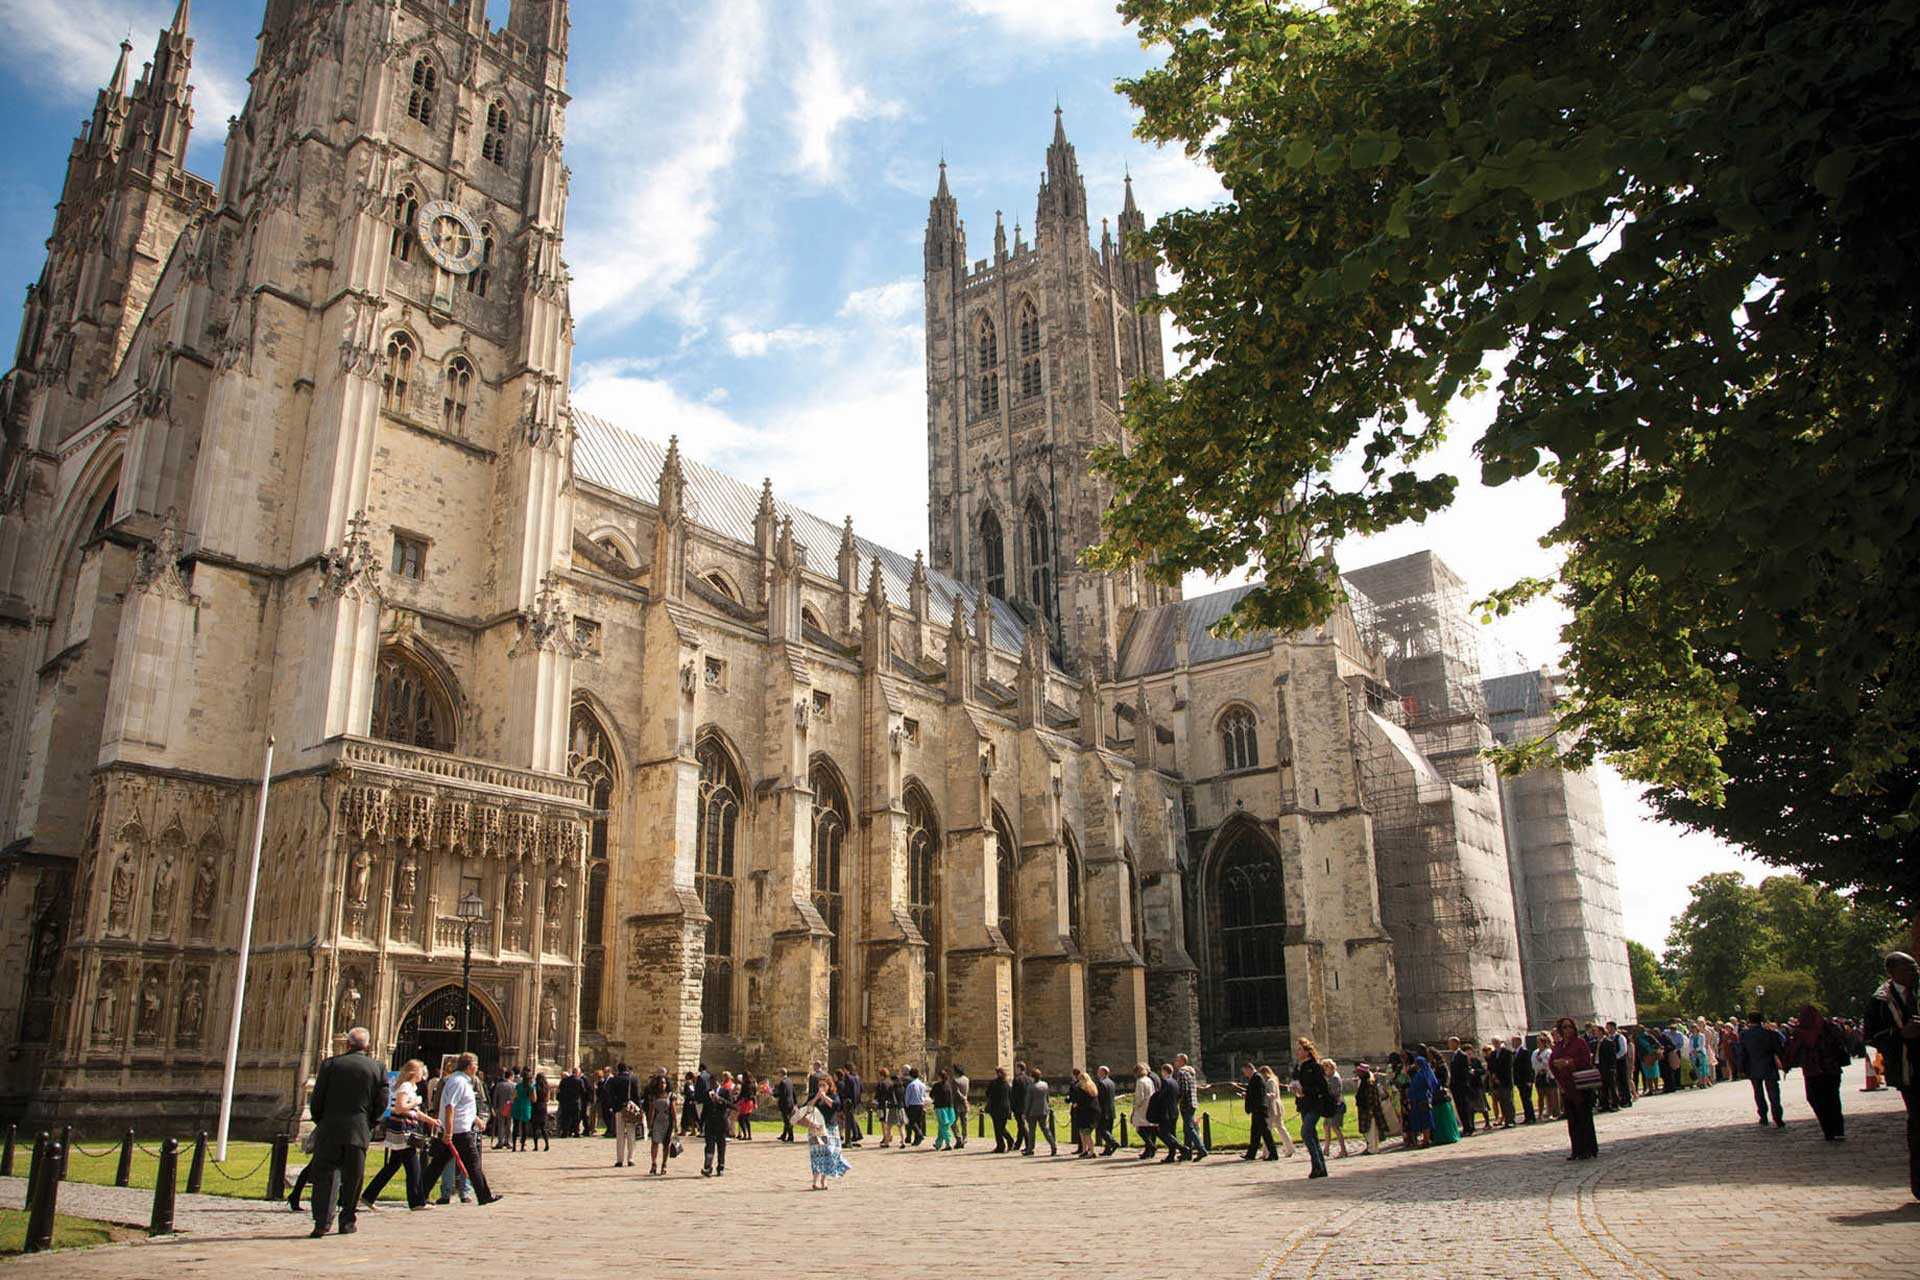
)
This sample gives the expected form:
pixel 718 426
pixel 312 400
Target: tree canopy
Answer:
pixel 1674 238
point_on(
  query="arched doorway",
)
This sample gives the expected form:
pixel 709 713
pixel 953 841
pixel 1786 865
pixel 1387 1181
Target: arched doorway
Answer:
pixel 431 1030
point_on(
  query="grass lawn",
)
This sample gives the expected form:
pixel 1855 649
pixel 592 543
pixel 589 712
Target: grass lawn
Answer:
pixel 244 1174
pixel 68 1233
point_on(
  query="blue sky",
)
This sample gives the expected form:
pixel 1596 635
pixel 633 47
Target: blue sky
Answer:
pixel 750 186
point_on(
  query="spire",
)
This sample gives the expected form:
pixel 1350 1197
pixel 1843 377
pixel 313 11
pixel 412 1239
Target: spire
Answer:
pixel 181 13
pixel 1059 126
pixel 943 193
pixel 876 587
pixel 1128 206
pixel 673 482
pixel 1062 193
pixel 999 237
pixel 118 85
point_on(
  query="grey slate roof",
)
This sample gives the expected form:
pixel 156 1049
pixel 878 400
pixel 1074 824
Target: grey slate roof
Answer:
pixel 623 461
pixel 1521 694
pixel 1148 647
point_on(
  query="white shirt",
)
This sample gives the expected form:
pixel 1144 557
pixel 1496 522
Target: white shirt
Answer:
pixel 1540 1059
pixel 916 1093
pixel 456 1095
pixel 405 1098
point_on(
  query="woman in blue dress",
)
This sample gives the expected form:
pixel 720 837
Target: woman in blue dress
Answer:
pixel 823 1136
pixel 1422 1085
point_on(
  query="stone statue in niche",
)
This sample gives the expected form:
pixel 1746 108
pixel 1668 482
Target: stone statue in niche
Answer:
pixel 349 1002
pixel 549 1018
pixel 556 909
pixel 160 921
pixel 120 895
pixel 203 892
pixel 409 882
pixel 152 1006
pixel 106 1004
pixel 192 1009
pixel 516 894
pixel 359 874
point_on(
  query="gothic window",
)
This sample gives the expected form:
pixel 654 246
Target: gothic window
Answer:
pixel 459 390
pixel 1029 349
pixel 408 704
pixel 1039 561
pixel 1239 741
pixel 420 98
pixel 406 212
pixel 590 758
pixel 987 353
pixel 1250 920
pixel 993 554
pixel 829 840
pixel 399 371
pixel 713 879
pixel 718 581
pixel 1072 860
pixel 923 902
pixel 409 556
pixel 499 125
pixel 480 279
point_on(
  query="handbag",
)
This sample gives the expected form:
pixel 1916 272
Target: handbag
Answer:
pixel 1586 1078
pixel 674 1148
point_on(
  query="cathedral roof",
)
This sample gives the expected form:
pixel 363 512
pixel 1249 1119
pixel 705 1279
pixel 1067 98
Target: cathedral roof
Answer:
pixel 625 462
pixel 1149 644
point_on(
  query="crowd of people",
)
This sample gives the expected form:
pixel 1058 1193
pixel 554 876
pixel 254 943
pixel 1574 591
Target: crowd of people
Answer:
pixel 430 1127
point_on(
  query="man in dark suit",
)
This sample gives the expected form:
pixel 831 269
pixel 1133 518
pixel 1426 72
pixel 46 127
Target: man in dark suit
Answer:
pixel 349 1094
pixel 1606 1056
pixel 783 1099
pixel 1253 1087
pixel 1500 1082
pixel 1022 1086
pixel 1460 1081
pixel 1000 1107
pixel 570 1091
pixel 1893 1027
pixel 1103 1084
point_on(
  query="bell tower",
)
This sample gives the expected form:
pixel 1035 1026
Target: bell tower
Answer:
pixel 1029 355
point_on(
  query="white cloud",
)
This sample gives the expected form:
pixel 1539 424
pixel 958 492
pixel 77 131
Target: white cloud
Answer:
pixel 1053 21
pixel 72 45
pixel 824 103
pixel 750 343
pixel 644 234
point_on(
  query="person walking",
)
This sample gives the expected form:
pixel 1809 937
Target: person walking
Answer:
pixel 784 1100
pixel 716 1119
pixel 1000 1110
pixel 1892 1027
pixel 1574 1072
pixel 1276 1110
pixel 1083 1113
pixel 661 1102
pixel 1337 1122
pixel 622 1097
pixel 887 1102
pixel 407 1127
pixel 542 1093
pixel 1163 1116
pixel 914 1097
pixel 1189 1081
pixel 523 1112
pixel 1370 1106
pixel 1819 1048
pixel 942 1099
pixel 1103 1085
pixel 500 1098
pixel 1040 1115
pixel 459 1109
pixel 824 1158
pixel 1253 1095
pixel 1022 1086
pixel 1315 1102
pixel 1761 1047
pixel 743 1109
pixel 962 1106
pixel 349 1094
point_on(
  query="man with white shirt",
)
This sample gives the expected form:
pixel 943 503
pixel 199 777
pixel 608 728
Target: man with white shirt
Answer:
pixel 458 1105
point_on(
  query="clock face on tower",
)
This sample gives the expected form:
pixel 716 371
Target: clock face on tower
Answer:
pixel 450 235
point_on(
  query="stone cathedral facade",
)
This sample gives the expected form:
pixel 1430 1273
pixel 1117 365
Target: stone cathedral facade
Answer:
pixel 697 774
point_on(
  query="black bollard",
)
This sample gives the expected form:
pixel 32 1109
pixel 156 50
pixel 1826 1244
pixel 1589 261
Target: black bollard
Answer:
pixel 38 1164
pixel 66 1149
pixel 277 1169
pixel 40 1207
pixel 6 1156
pixel 1206 1130
pixel 197 1171
pixel 1123 1132
pixel 161 1223
pixel 123 1175
pixel 869 1122
pixel 983 1124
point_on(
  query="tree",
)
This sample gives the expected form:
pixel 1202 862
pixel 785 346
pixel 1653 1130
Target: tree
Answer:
pixel 1836 943
pixel 1673 237
pixel 1652 993
pixel 1778 993
pixel 1717 941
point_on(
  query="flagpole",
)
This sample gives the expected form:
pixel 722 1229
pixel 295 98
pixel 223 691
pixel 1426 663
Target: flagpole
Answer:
pixel 246 946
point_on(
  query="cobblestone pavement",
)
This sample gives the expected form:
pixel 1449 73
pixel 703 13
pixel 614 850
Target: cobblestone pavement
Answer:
pixel 1685 1186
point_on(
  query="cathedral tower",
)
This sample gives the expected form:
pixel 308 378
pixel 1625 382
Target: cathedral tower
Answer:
pixel 1029 354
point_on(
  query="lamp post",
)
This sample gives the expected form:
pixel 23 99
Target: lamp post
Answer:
pixel 471 913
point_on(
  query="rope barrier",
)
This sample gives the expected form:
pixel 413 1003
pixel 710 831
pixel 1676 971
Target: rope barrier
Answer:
pixel 101 1154
pixel 148 1150
pixel 244 1176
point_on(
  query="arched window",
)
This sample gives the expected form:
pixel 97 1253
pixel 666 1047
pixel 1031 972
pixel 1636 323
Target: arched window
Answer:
pixel 1249 943
pixel 399 375
pixel 1006 872
pixel 1074 872
pixel 406 213
pixel 808 618
pixel 499 125
pixel 713 879
pixel 425 85
pixel 480 279
pixel 1040 561
pixel 590 758
pixel 1239 740
pixel 1029 349
pixel 409 706
pixel 459 390
pixel 718 581
pixel 993 555
pixel 829 840
pixel 923 900
pixel 987 366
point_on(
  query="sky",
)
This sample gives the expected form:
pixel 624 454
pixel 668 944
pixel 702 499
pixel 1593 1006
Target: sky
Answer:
pixel 749 192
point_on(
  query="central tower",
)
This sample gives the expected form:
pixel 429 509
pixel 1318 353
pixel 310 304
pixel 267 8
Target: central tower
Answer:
pixel 1029 354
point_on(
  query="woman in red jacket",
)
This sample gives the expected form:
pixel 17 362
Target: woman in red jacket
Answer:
pixel 1569 1060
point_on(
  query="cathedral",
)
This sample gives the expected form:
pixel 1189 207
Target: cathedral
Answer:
pixel 683 772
